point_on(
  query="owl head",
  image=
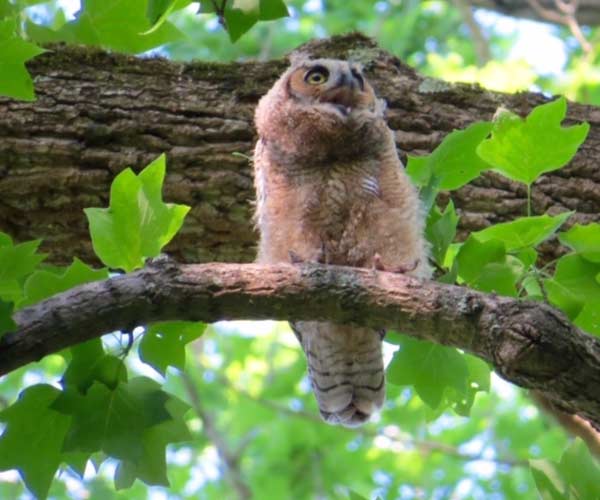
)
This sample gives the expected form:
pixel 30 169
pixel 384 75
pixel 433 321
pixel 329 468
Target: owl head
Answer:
pixel 319 108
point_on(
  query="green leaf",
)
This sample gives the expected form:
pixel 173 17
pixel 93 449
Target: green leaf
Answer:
pixel 532 287
pixel 418 168
pixel 588 318
pixel 152 466
pixel 42 284
pixel 15 80
pixel 584 239
pixel 523 232
pixel 478 380
pixel 272 9
pixel 573 286
pixel 163 344
pixel 33 438
pixel 114 24
pixel 124 475
pixel 499 277
pixel 563 298
pixel 6 322
pixel 84 359
pixel 138 223
pixel 528 256
pixel 454 162
pixel 440 231
pixel 240 16
pixel 16 263
pixel 486 267
pixel 580 470
pixel 474 255
pixel 157 11
pixel 523 149
pixel 113 421
pixel 157 8
pixel 548 480
pixel 431 368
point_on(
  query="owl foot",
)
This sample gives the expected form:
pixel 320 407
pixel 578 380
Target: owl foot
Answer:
pixel 379 266
pixel 319 258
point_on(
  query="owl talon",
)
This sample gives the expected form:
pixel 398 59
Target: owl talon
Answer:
pixel 379 266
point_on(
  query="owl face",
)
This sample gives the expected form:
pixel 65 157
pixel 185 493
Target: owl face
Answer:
pixel 339 84
pixel 321 110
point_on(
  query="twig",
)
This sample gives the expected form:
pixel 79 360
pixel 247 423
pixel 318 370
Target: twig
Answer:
pixel 482 48
pixel 566 15
pixel 220 11
pixel 229 459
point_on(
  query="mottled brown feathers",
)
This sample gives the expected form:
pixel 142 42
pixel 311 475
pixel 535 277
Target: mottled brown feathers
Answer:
pixel 330 188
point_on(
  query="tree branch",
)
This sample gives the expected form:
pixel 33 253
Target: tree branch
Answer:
pixel 230 460
pixel 587 12
pixel 527 343
pixel 482 48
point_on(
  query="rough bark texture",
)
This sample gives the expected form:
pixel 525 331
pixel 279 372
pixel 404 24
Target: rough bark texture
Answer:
pixel 588 11
pixel 529 344
pixel 97 113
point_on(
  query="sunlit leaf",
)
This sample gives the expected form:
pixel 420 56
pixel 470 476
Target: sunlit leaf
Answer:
pixel 523 232
pixel 138 223
pixel 15 80
pixel 584 239
pixel 474 255
pixel 115 24
pixel 158 11
pixel 454 162
pixel 523 149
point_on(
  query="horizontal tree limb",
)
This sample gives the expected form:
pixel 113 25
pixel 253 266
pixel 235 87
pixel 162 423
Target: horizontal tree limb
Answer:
pixel 528 343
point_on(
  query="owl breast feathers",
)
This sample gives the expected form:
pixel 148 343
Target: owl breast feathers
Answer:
pixel 331 189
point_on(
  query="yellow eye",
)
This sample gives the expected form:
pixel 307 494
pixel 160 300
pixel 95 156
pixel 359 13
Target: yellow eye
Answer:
pixel 317 75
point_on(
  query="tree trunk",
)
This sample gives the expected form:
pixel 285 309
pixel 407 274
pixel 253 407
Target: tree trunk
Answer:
pixel 97 113
pixel 588 11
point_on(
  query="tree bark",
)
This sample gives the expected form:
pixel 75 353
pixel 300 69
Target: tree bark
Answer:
pixel 98 112
pixel 528 343
pixel 588 11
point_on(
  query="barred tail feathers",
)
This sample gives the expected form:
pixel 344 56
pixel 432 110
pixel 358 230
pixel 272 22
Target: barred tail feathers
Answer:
pixel 345 366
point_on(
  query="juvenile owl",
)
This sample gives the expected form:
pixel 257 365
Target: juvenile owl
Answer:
pixel 331 189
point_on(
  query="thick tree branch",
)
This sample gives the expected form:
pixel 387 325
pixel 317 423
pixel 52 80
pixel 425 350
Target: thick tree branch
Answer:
pixel 97 113
pixel 587 12
pixel 529 344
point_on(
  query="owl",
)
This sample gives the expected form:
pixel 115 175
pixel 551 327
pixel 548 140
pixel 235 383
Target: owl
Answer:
pixel 330 188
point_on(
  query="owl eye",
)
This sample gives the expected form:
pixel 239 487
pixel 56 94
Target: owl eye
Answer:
pixel 317 75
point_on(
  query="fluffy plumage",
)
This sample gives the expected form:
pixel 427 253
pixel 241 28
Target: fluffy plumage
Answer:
pixel 330 188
